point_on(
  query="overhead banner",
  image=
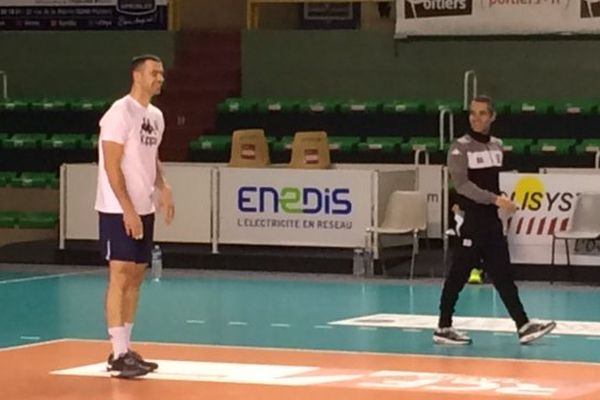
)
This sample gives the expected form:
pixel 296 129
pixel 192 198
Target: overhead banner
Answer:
pixel 496 17
pixel 65 15
pixel 545 204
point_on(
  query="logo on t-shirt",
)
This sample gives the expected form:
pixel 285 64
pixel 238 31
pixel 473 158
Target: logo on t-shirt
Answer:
pixel 149 132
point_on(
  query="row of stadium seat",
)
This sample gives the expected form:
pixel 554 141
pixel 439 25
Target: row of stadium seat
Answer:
pixel 283 105
pixel 96 105
pixel 28 179
pixel 247 105
pixel 28 220
pixel 408 145
pixel 52 141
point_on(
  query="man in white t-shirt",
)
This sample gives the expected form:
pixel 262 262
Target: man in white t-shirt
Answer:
pixel 129 173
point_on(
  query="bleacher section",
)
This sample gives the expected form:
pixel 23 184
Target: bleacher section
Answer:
pixel 536 133
pixel 36 137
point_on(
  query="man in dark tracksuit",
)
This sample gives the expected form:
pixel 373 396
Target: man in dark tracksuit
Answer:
pixel 474 163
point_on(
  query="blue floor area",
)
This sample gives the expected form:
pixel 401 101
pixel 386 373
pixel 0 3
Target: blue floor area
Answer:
pixel 267 311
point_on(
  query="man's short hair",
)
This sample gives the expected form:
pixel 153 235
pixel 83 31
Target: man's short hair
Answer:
pixel 483 98
pixel 137 61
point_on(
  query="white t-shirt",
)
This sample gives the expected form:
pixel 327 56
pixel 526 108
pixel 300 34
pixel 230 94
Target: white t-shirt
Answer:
pixel 139 129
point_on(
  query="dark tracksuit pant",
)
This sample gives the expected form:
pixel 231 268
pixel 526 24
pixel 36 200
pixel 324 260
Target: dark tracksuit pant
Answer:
pixel 481 238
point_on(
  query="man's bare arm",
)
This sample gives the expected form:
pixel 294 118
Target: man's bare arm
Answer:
pixel 166 204
pixel 113 155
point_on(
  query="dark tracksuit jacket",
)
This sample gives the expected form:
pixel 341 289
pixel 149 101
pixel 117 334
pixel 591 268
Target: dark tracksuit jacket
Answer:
pixel 474 163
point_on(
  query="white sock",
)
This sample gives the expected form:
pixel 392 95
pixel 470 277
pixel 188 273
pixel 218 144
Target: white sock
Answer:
pixel 118 338
pixel 128 329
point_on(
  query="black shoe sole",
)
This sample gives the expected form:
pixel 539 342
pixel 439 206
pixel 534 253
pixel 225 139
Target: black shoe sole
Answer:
pixel 127 375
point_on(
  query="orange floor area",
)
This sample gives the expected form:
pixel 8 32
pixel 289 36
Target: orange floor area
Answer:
pixel 72 369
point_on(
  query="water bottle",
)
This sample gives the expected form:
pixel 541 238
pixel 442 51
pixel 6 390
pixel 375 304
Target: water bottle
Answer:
pixel 358 262
pixel 156 266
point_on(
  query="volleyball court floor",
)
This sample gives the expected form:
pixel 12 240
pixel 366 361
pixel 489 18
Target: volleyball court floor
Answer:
pixel 265 336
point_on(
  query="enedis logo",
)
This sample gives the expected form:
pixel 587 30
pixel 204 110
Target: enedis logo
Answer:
pixel 294 200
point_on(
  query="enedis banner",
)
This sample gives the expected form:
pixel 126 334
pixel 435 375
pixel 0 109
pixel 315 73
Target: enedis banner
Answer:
pixel 332 208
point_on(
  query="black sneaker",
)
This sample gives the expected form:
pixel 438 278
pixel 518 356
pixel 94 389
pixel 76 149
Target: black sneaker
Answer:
pixel 450 336
pixel 126 366
pixel 534 330
pixel 150 366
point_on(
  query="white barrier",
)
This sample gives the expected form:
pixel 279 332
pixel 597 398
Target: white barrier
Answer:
pixel 192 189
pixel 271 206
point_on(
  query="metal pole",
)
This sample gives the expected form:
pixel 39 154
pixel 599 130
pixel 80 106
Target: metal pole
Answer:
pixel 445 208
pixel 62 207
pixel 466 98
pixel 214 185
pixel 4 85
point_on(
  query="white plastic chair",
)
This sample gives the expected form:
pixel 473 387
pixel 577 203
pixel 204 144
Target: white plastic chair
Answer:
pixel 405 214
pixel 583 224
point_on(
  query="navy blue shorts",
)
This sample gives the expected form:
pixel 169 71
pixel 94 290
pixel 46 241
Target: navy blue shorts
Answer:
pixel 116 245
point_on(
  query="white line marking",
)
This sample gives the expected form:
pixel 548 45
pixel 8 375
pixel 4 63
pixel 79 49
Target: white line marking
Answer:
pixel 280 325
pixel 412 330
pixel 486 324
pixel 30 338
pixel 551 336
pixel 307 375
pixel 194 321
pixel 323 327
pixel 237 323
pixel 503 334
pixel 43 277
pixel 25 346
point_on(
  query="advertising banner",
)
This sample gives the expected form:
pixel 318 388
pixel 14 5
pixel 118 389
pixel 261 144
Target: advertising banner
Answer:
pixel 325 208
pixel 496 17
pixel 64 15
pixel 546 202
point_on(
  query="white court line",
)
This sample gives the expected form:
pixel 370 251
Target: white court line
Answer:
pixel 237 323
pixel 486 324
pixel 323 327
pixel 280 325
pixel 43 277
pixel 294 375
pixel 30 338
pixel 25 346
pixel 194 321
